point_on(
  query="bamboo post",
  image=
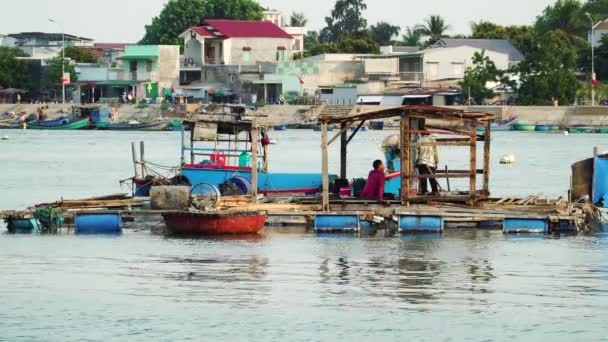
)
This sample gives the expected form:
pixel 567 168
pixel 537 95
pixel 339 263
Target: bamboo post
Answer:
pixel 343 150
pixel 183 149
pixel 486 159
pixel 405 160
pixel 192 144
pixel 254 163
pixel 142 162
pixel 134 154
pixel 325 165
pixel 593 174
pixel 473 165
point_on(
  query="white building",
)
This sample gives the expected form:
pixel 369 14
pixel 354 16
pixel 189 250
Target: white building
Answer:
pixel 297 33
pixel 599 30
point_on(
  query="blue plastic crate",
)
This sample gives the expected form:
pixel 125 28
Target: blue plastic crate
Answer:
pixel 337 223
pixel 525 225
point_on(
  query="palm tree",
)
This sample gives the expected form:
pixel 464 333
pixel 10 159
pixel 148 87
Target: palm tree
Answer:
pixel 434 28
pixel 411 37
pixel 297 19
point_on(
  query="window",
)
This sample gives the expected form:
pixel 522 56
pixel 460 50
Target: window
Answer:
pixel 149 66
pixel 297 45
pixel 433 68
pixel 458 69
pixel 246 56
pixel 282 54
pixel 327 91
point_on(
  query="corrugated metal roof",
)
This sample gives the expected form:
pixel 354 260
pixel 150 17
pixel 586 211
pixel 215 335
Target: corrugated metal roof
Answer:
pixel 496 45
pixel 247 29
pixel 202 31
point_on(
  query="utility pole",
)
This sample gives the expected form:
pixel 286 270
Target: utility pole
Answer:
pixel 62 59
pixel 592 60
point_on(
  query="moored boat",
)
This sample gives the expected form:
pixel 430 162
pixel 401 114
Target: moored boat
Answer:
pixel 377 125
pixel 215 222
pixel 70 125
pixel 280 127
pixel 602 130
pixel 503 125
pixel 543 128
pixel 524 126
pixel 581 129
pixel 126 126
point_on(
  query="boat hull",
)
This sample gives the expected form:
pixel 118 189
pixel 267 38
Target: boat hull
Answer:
pixel 226 223
pixel 524 127
pixel 581 130
pixel 155 126
pixel 268 183
pixel 77 124
pixel 543 128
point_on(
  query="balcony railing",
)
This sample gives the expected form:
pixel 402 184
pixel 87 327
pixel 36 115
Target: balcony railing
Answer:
pixel 214 60
pixel 138 76
pixel 190 63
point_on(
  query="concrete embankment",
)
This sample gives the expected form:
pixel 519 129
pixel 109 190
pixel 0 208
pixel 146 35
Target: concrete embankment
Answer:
pixel 306 114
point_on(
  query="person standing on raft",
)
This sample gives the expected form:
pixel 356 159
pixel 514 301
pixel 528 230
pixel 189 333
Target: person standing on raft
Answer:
pixel 427 161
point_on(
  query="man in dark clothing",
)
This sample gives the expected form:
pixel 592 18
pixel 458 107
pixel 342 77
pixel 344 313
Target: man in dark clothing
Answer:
pixel 374 187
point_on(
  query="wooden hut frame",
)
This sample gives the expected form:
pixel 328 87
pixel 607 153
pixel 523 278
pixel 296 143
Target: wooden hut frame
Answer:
pixel 408 116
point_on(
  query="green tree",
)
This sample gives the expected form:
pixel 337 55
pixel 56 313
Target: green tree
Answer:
pixel 346 18
pixel 80 55
pixel 547 74
pixel 522 37
pixel 358 42
pixel 13 72
pixel 597 8
pixel 564 15
pixel 52 75
pixel 383 32
pixel 298 19
pixel 311 39
pixel 434 28
pixel 411 37
pixel 476 78
pixel 601 59
pixel 178 15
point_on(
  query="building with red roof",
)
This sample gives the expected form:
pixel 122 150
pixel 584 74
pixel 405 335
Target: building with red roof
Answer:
pixel 235 42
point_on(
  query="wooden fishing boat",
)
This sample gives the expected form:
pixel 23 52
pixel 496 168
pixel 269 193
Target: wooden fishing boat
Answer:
pixel 503 125
pixel 602 130
pixel 377 125
pixel 543 128
pixel 70 125
pixel 280 127
pixel 524 126
pixel 62 120
pixel 581 129
pixel 125 126
pixel 215 223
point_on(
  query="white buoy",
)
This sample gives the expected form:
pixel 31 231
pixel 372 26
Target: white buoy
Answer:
pixel 273 141
pixel 566 133
pixel 508 159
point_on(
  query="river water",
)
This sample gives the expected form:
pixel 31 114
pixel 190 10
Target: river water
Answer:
pixel 288 285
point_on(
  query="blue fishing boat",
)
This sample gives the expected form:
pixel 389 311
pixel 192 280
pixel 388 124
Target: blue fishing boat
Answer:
pixel 62 120
pixel 280 127
pixel 503 125
pixel 226 155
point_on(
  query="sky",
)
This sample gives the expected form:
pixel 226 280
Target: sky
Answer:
pixel 124 20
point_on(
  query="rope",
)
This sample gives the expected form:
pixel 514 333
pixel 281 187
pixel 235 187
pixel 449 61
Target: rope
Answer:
pixel 50 218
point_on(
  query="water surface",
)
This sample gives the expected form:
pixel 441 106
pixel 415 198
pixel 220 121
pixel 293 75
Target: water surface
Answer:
pixel 292 286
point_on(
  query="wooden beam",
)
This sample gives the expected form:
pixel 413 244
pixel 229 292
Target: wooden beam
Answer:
pixel 405 159
pixel 486 160
pixel 473 166
pixel 142 159
pixel 254 163
pixel 421 131
pixel 355 132
pixel 343 129
pixel 343 150
pixel 135 161
pixel 325 165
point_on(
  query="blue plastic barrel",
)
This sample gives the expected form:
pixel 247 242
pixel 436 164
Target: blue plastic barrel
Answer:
pixel 91 223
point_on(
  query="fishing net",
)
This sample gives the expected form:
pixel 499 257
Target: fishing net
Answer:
pixel 50 218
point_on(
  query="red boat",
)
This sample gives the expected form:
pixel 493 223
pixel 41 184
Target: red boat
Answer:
pixel 215 223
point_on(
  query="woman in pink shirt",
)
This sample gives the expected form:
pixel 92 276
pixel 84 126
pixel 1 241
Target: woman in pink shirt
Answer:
pixel 374 187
